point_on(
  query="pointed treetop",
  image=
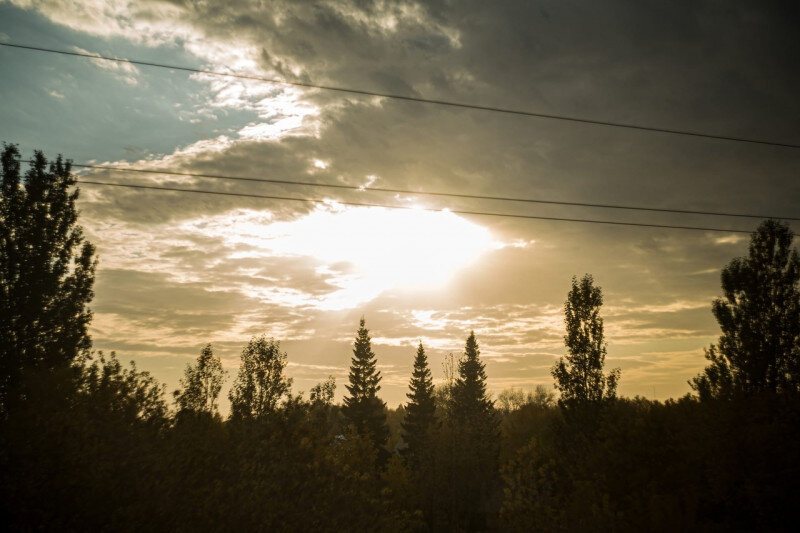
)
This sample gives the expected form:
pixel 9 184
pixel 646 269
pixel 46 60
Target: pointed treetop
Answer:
pixel 362 407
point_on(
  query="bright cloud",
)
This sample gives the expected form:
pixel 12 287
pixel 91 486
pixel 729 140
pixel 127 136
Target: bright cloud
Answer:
pixel 386 248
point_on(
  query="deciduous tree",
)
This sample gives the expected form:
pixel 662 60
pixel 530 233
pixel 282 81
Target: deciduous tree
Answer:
pixel 261 383
pixel 47 271
pixel 201 384
pixel 579 376
pixel 759 315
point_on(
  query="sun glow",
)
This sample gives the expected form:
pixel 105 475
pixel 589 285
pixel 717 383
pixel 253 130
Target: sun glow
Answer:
pixel 360 252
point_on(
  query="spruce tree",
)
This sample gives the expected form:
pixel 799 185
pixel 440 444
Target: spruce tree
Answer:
pixel 579 376
pixel 469 400
pixel 362 408
pixel 475 453
pixel 46 272
pixel 420 410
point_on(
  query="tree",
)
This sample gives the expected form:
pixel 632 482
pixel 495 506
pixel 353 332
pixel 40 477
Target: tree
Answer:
pixel 759 315
pixel 322 393
pixel 513 399
pixel 201 384
pixel 579 376
pixel 46 271
pixel 362 407
pixel 420 411
pixel 474 429
pixel 469 400
pixel 122 394
pixel 260 384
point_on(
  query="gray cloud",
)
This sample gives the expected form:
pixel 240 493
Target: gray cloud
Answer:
pixel 720 68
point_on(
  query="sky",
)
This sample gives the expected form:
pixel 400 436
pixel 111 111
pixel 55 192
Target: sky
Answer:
pixel 178 270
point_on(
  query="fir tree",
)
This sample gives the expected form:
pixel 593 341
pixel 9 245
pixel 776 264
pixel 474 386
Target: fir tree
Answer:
pixel 363 408
pixel 420 410
pixel 579 376
pixel 475 453
pixel 469 401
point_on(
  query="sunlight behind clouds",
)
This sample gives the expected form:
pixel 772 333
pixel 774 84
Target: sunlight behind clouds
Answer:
pixel 362 251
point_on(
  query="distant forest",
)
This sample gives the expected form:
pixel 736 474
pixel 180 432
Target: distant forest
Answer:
pixel 87 443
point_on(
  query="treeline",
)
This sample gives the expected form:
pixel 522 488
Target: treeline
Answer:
pixel 87 443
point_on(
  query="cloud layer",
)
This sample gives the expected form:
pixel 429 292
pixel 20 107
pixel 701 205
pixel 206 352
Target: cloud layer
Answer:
pixel 179 270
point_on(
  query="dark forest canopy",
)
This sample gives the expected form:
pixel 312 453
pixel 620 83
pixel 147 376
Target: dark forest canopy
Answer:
pixel 88 443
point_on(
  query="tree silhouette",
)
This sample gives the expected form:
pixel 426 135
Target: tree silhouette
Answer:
pixel 322 393
pixel 362 407
pixel 579 376
pixel 469 400
pixel 759 315
pixel 201 384
pixel 475 430
pixel 260 384
pixel 420 411
pixel 46 271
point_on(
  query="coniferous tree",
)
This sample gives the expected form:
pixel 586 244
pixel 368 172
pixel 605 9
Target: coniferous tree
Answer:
pixel 420 411
pixel 469 399
pixel 579 376
pixel 260 384
pixel 362 408
pixel 475 426
pixel 201 384
pixel 46 271
pixel 759 349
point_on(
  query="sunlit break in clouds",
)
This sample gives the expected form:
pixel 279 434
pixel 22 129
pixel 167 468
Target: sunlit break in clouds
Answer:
pixel 362 251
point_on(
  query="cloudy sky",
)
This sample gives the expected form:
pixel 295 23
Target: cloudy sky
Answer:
pixel 179 270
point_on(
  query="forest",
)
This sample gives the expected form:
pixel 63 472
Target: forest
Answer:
pixel 89 443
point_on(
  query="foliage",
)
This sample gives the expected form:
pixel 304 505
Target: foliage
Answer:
pixel 201 384
pixel 93 446
pixel 362 407
pixel 322 393
pixel 679 466
pixel 130 394
pixel 514 399
pixel 579 376
pixel 46 272
pixel 470 403
pixel 759 315
pixel 474 445
pixel 420 411
pixel 261 383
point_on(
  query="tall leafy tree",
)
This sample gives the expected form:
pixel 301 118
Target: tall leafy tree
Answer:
pixel 261 383
pixel 759 315
pixel 322 393
pixel 201 384
pixel 420 410
pixel 579 376
pixel 362 407
pixel 47 270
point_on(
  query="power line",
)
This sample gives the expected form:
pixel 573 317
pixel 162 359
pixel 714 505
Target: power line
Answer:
pixel 411 208
pixel 449 103
pixel 427 193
